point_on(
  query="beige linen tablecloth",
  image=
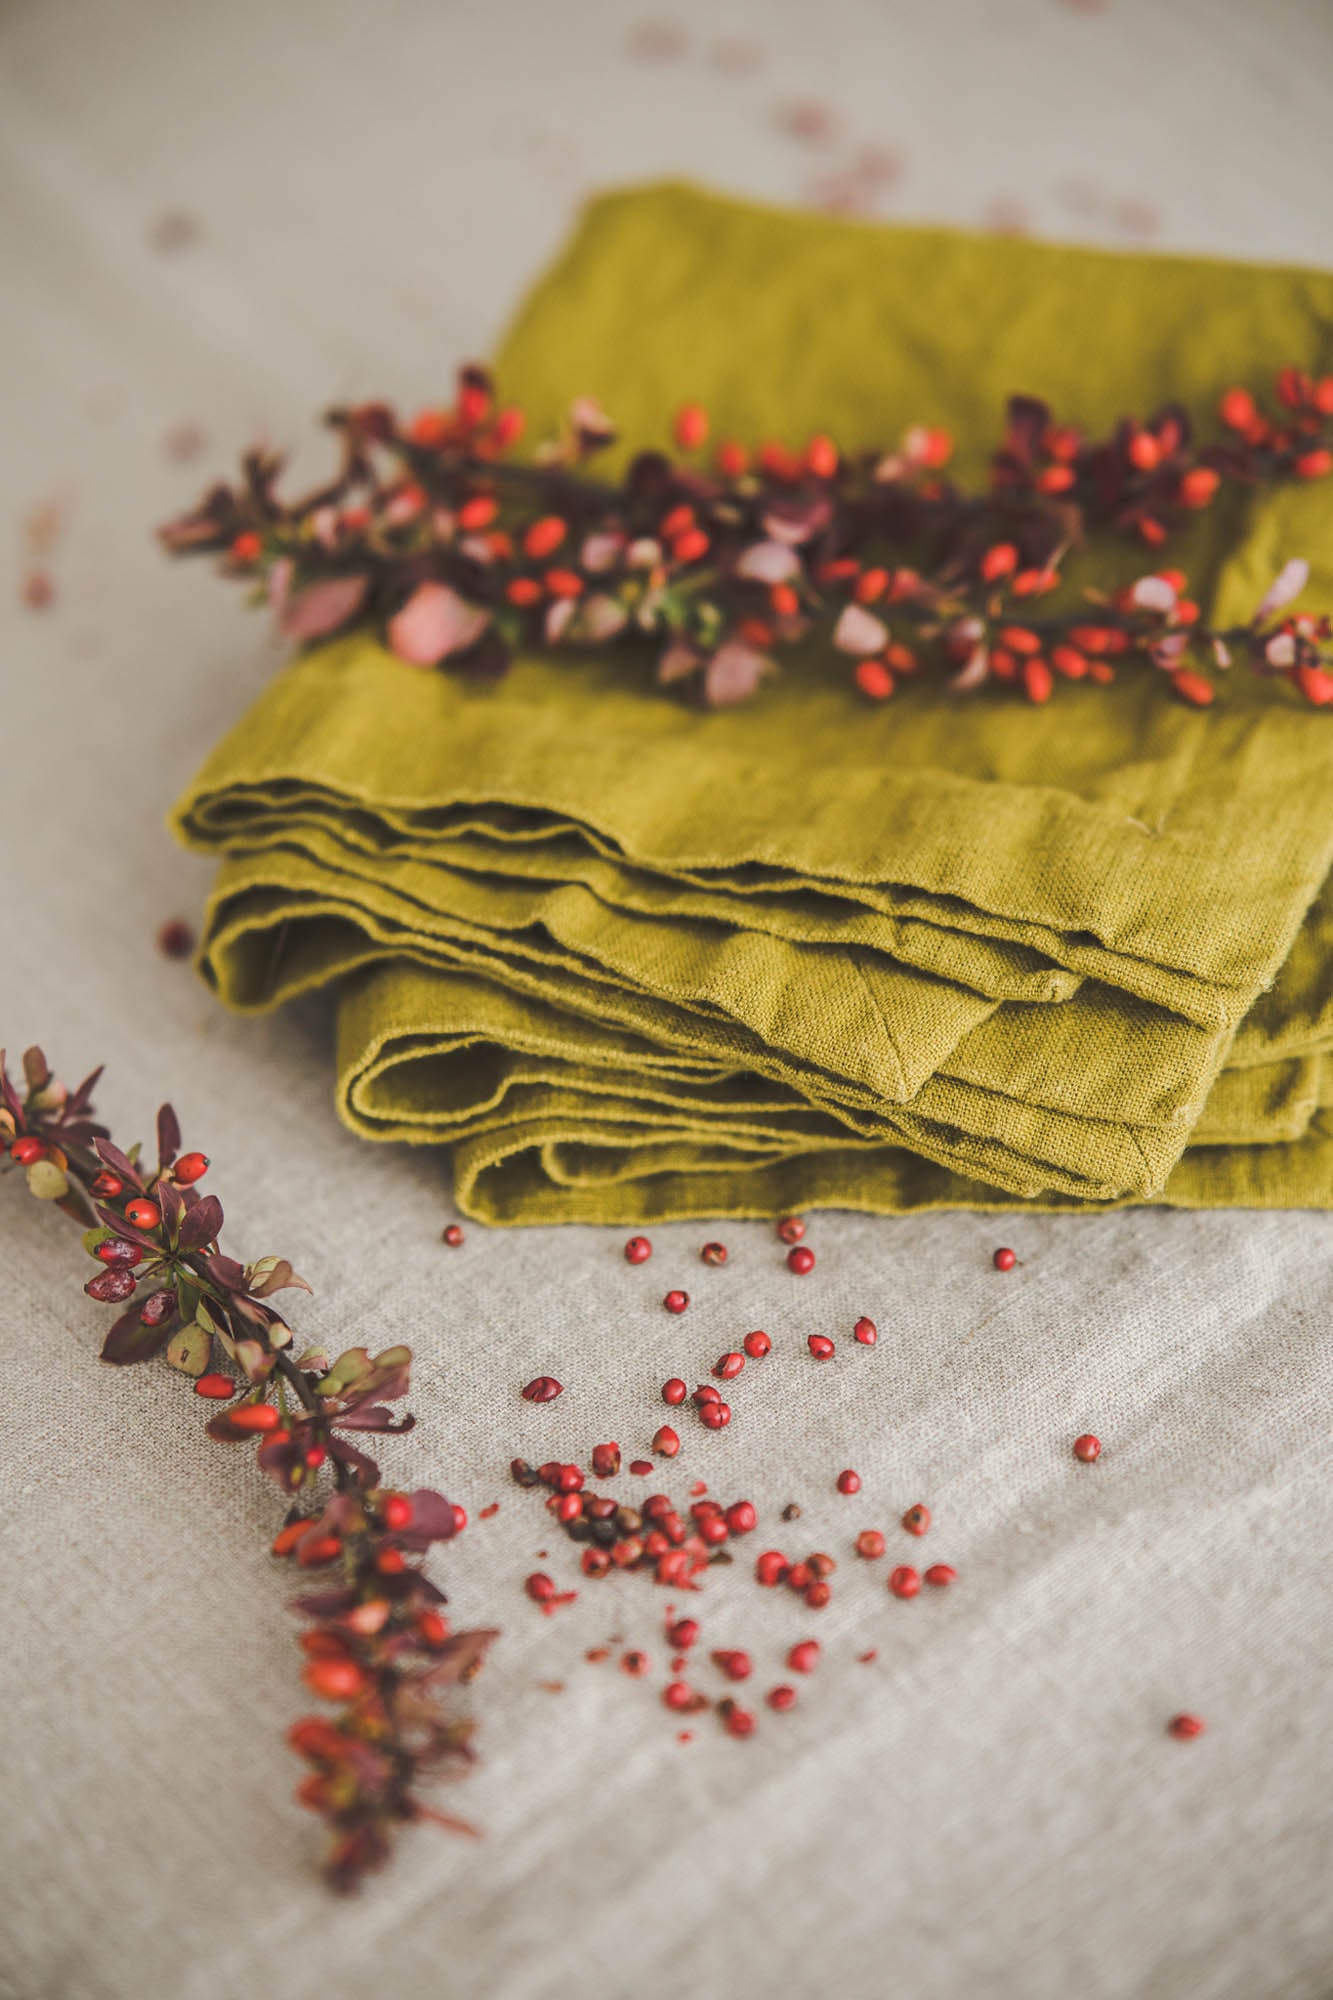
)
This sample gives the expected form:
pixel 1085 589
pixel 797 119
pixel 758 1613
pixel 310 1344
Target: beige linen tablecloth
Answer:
pixel 220 219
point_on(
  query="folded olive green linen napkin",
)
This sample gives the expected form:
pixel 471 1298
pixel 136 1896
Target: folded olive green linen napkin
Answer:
pixel 1027 946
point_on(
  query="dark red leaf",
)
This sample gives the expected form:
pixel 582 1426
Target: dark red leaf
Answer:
pixel 201 1224
pixel 168 1136
pixel 111 1156
pixel 130 1340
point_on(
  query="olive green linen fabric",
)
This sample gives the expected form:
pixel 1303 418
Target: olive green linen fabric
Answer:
pixel 642 961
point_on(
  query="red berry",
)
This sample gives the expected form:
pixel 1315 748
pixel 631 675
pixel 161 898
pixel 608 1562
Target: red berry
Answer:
pixel 544 537
pixel 736 1721
pixel 904 1582
pixel 940 1575
pixel 678 1696
pixel 396 1511
pixel 119 1250
pixel 690 427
pixel 336 1680
pixel 315 1456
pixel 113 1285
pixel 1001 559
pixel 189 1168
pixel 705 1393
pixel 1237 409
pixel 606 1460
pixel 735 1665
pixel 391 1562
pixel 665 1442
pixel 453 1235
pixel 791 1229
pixel 728 1366
pixel 917 1519
pixel 246 547
pixel 596 1562
pixel 870 1543
pixel 716 1416
pixel 543 1389
pixel 817 1594
pixel 638 1250
pixel 143 1214
pixel 674 1391
pixel 28 1149
pixel 1004 1260
pixel 713 1253
pixel 820 1346
pixel 741 1517
pixel 1087 1447
pixel 539 1587
pixel 866 1332
pixel 800 1260
pixel 849 1482
pixel 106 1186
pixel 781 1698
pixel 254 1417
pixel 218 1388
pixel 676 1302
pixel 770 1568
pixel 1186 1727
pixel 804 1656
pixel 757 1345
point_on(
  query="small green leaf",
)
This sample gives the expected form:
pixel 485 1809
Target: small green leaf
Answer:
pixel 92 1237
pixel 190 1350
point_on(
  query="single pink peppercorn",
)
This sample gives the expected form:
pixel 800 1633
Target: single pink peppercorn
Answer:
pixel 1004 1260
pixel 728 1366
pixel 705 1393
pixel 539 1588
pixel 1088 1448
pixel 665 1442
pixel 941 1575
pixel 716 1416
pixel 904 1582
pixel 757 1345
pixel 676 1302
pixel 453 1235
pixel 543 1389
pixel 804 1656
pixel 870 1543
pixel 682 1634
pixel 818 1594
pixel 674 1391
pixel 820 1346
pixel 678 1695
pixel 737 1666
pixel 713 1253
pixel 781 1698
pixel 865 1331
pixel 638 1250
pixel 791 1229
pixel 641 1467
pixel 606 1460
pixel 801 1260
pixel 849 1482
pixel 917 1519
pixel 741 1517
pixel 736 1721
pixel 770 1568
pixel 1186 1727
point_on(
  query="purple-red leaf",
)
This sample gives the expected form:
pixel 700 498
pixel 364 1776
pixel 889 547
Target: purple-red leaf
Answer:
pixel 130 1340
pixel 201 1224
pixel 111 1156
pixel 168 1136
pixel 323 607
pixel 435 622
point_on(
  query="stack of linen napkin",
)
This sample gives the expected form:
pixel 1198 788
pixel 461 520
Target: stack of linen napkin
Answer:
pixel 637 961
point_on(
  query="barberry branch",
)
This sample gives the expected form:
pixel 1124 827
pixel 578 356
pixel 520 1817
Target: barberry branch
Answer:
pixel 376 1643
pixel 460 555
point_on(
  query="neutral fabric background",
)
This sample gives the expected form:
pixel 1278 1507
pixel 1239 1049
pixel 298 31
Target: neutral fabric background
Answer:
pixel 221 218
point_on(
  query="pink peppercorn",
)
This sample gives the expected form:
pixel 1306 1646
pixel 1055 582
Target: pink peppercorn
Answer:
pixel 641 1467
pixel 941 1575
pixel 866 1332
pixel 736 1721
pixel 674 1391
pixel 539 1588
pixel 770 1568
pixel 870 1544
pixel 804 1656
pixel 638 1250
pixel 736 1666
pixel 716 1416
pixel 820 1346
pixel 543 1389
pixel 817 1595
pixel 706 1393
pixel 791 1229
pixel 728 1366
pixel 849 1482
pixel 713 1253
pixel 635 1664
pixel 682 1633
pixel 678 1696
pixel 917 1519
pixel 781 1698
pixel 453 1236
pixel 1186 1727
pixel 904 1582
pixel 757 1345
pixel 676 1302
pixel 741 1517
pixel 1088 1448
pixel 1004 1260
pixel 665 1442
pixel 801 1260
pixel 606 1460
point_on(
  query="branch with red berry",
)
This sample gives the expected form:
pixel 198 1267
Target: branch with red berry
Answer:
pixel 434 536
pixel 376 1643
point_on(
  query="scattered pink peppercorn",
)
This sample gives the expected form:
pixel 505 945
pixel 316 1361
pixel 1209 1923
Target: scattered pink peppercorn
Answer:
pixel 638 1250
pixel 681 1633
pixel 539 1587
pixel 770 1568
pixel 595 1562
pixel 543 1389
pixel 641 1467
pixel 1186 1727
pixel 676 1302
pixel 606 1460
pixel 736 1721
pixel 716 1416
pixel 817 1594
pixel 804 1656
pixel 728 1366
pixel 820 1346
pixel 1004 1260
pixel 705 1393
pixel 1087 1447
pixel 757 1345
pixel 904 1581
pixel 870 1543
pixel 917 1519
pixel 460 1519
pixel 737 1666
pixel 865 1331
pixel 791 1229
pixel 801 1260
pixel 674 1391
pixel 635 1664
pixel 665 1442
pixel 741 1517
pixel 713 1253
pixel 678 1695
pixel 849 1482
pixel 453 1235
pixel 781 1698
pixel 941 1575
